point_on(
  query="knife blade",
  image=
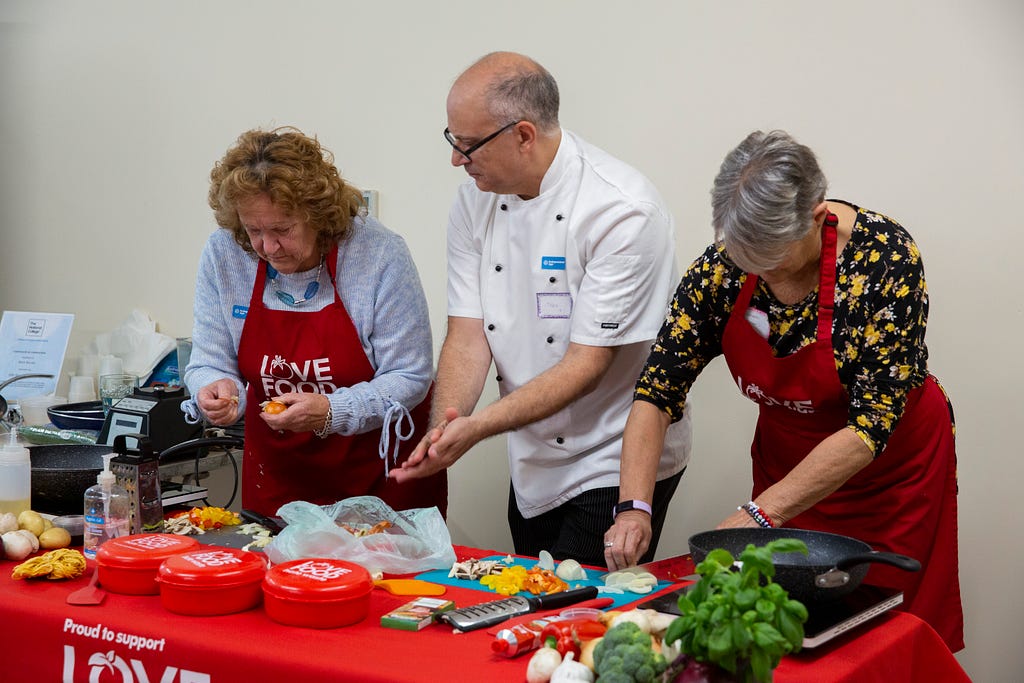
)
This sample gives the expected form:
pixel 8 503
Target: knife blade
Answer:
pixel 489 613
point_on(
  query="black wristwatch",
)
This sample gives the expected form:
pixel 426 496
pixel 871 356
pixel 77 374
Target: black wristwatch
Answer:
pixel 631 505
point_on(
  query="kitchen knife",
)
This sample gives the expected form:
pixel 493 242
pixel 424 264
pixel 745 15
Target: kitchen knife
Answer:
pixel 494 612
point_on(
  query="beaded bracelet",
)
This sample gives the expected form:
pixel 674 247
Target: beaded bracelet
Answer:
pixel 759 515
pixel 326 429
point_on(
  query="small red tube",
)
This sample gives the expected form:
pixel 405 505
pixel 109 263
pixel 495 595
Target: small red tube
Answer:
pixel 520 638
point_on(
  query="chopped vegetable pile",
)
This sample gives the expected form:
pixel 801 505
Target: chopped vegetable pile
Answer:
pixel 517 578
pixel 200 520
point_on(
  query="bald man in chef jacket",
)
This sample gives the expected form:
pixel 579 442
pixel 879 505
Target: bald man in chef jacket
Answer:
pixel 561 265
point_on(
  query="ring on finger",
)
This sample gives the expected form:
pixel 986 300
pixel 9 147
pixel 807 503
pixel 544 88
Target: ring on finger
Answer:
pixel 608 544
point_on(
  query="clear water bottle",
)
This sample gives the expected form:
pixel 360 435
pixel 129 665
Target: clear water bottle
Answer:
pixel 107 510
pixel 15 476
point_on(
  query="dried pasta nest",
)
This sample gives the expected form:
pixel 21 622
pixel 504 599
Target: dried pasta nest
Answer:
pixel 63 563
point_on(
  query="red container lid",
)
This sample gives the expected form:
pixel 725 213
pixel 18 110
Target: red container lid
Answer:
pixel 212 568
pixel 317 579
pixel 143 551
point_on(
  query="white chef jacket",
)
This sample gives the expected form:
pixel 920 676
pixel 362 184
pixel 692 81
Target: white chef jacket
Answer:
pixel 590 260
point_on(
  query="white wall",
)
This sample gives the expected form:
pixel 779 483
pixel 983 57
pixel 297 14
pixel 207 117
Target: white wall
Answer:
pixel 112 113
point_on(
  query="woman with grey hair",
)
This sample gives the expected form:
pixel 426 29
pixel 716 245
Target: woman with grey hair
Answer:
pixel 819 307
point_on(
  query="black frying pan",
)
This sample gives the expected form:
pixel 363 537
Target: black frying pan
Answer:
pixel 62 472
pixel 834 566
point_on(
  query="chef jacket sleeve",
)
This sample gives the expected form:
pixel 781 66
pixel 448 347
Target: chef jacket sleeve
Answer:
pixel 464 258
pixel 629 271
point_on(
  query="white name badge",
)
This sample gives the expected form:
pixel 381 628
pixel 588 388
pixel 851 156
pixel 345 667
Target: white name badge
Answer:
pixel 554 304
pixel 758 319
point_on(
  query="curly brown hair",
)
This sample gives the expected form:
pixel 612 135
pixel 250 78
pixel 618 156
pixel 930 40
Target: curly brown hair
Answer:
pixel 295 172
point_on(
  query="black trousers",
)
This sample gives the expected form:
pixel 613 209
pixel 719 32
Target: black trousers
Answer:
pixel 576 528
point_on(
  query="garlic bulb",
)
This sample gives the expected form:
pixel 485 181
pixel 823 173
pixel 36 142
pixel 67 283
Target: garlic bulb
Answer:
pixel 16 545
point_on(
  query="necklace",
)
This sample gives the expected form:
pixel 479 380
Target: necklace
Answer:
pixel 311 289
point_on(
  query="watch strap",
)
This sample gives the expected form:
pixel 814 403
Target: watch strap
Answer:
pixel 632 505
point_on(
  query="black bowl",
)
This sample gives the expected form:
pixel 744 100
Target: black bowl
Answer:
pixel 87 415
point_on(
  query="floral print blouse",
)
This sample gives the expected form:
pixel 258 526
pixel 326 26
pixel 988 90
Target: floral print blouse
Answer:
pixel 878 329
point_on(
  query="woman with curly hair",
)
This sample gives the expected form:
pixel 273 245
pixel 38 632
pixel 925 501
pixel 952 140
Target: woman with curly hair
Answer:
pixel 302 301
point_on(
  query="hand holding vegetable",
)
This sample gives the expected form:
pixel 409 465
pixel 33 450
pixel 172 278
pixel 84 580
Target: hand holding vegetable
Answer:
pixel 219 402
pixel 302 412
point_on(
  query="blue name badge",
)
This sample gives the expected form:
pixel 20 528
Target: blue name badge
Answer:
pixel 552 262
pixel 239 312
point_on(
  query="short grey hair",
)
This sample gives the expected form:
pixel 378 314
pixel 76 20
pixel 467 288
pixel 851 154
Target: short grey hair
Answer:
pixel 525 94
pixel 763 199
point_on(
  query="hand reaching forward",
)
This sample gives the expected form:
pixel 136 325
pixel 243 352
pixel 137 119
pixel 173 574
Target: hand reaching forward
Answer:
pixel 445 443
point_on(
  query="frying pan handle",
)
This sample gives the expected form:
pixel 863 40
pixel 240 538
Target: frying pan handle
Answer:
pixel 903 562
pixel 203 442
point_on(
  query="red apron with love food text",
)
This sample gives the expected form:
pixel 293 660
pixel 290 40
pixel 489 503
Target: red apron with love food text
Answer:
pixel 316 351
pixel 903 502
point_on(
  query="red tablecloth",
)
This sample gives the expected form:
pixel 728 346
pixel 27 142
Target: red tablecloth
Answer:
pixel 132 639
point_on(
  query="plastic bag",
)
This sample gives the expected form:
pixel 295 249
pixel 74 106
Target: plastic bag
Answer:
pixel 417 540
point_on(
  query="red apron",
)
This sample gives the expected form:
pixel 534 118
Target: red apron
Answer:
pixel 903 502
pixel 316 351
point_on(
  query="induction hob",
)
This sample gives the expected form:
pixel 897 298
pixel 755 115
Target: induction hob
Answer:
pixel 825 620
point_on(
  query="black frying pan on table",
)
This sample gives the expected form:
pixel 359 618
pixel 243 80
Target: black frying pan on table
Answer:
pixel 62 472
pixel 834 566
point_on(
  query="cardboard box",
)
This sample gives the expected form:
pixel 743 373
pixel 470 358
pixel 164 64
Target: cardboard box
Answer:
pixel 417 614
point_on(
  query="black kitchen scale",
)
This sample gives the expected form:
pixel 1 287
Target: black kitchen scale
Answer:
pixel 154 412
pixel 825 620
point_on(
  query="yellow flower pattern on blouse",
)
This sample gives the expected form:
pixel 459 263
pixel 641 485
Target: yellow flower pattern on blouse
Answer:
pixel 881 312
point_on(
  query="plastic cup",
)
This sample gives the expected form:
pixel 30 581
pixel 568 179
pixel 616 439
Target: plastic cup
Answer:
pixel 33 408
pixel 111 365
pixel 81 389
pixel 115 387
pixel 184 353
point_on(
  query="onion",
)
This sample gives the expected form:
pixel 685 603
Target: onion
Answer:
pixel 8 522
pixel 17 546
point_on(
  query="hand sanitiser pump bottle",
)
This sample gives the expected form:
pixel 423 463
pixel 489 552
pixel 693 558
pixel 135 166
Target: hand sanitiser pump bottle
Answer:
pixel 15 476
pixel 107 510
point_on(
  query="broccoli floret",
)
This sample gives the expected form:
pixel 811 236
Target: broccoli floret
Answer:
pixel 625 656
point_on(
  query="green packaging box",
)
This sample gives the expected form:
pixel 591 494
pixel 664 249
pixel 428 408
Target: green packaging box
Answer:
pixel 415 615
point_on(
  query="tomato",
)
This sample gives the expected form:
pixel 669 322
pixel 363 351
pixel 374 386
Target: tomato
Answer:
pixel 274 407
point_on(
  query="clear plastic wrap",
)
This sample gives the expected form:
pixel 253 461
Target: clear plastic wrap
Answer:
pixel 416 540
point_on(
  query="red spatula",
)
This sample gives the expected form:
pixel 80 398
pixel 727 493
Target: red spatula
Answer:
pixel 90 594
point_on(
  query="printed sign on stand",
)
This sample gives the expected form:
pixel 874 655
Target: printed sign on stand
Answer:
pixel 32 344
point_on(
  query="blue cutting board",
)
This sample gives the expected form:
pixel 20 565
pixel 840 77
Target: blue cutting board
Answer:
pixel 594 578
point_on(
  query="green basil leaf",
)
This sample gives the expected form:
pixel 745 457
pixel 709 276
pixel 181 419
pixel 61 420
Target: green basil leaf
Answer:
pixel 761 665
pixel 720 643
pixel 746 598
pixel 797 609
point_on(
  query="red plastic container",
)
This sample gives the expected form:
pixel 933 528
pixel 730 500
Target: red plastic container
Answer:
pixel 129 564
pixel 212 581
pixel 317 593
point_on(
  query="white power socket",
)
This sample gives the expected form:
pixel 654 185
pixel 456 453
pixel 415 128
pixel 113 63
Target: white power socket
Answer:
pixel 371 204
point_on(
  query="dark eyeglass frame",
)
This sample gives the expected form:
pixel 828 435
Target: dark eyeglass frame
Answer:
pixel 472 148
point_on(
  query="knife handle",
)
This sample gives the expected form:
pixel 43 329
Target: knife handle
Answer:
pixel 563 599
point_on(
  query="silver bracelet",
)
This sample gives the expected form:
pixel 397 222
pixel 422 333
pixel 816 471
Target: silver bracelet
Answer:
pixel 326 429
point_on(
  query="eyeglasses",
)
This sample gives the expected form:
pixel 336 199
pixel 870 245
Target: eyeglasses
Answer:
pixel 472 148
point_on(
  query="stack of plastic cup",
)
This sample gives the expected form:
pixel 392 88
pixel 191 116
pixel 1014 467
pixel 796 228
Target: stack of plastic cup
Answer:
pixel 81 389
